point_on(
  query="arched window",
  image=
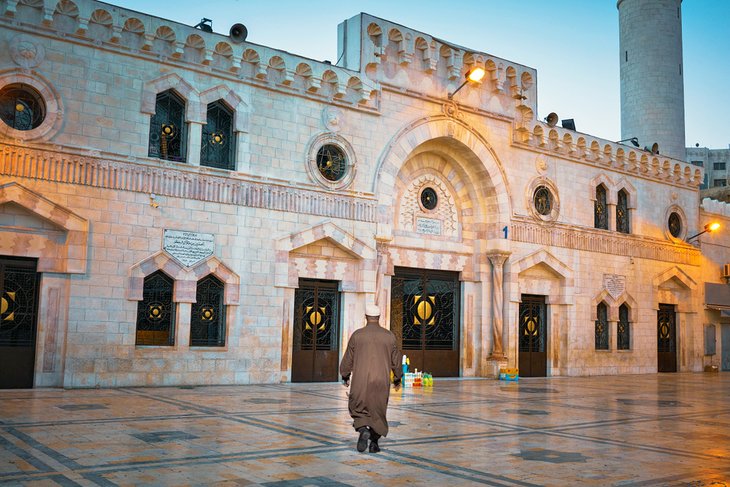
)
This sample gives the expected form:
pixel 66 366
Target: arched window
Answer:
pixel 600 208
pixel 168 131
pixel 156 311
pixel 623 335
pixel 208 317
pixel 602 326
pixel 21 106
pixel 217 145
pixel 623 223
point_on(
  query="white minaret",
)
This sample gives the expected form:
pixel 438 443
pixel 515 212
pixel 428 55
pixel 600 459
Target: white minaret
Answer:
pixel 652 79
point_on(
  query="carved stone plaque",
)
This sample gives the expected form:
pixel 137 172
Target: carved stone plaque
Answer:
pixel 189 247
pixel 428 226
pixel 614 284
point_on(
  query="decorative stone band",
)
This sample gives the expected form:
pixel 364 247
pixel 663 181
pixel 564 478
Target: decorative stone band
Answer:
pixel 179 182
pixel 557 235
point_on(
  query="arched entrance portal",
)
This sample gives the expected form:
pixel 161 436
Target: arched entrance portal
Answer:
pixel 439 207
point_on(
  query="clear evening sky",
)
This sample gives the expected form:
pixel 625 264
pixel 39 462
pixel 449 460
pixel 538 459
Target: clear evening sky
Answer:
pixel 573 44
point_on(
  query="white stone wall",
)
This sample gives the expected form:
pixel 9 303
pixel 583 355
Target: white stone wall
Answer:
pixel 274 222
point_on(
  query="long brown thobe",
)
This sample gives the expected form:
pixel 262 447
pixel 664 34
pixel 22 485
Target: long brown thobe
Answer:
pixel 370 356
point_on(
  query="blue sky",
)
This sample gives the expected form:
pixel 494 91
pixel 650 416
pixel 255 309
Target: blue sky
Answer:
pixel 573 44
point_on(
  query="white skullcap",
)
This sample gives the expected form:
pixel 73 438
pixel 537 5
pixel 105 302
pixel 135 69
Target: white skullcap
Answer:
pixel 372 310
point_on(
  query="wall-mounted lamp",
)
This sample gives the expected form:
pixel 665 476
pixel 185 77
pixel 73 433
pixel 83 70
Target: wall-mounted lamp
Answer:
pixel 634 141
pixel 474 74
pixel 153 201
pixel 709 228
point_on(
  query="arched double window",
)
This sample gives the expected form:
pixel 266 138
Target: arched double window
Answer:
pixel 601 326
pixel 218 144
pixel 623 334
pixel 156 311
pixel 623 220
pixel 168 131
pixel 600 208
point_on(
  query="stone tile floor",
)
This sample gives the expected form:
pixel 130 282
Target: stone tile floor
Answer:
pixel 666 429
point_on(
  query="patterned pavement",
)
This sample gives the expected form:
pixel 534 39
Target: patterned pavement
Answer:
pixel 666 429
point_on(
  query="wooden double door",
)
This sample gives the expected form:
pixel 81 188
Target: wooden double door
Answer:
pixel 425 319
pixel 316 349
pixel 19 283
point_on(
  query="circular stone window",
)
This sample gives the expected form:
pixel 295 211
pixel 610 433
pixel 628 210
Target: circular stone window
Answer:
pixel 429 198
pixel 21 107
pixel 674 223
pixel 543 200
pixel 331 162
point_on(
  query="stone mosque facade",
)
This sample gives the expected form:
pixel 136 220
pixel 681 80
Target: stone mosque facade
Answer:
pixel 181 207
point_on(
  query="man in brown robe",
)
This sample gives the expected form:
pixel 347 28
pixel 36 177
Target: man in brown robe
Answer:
pixel 370 356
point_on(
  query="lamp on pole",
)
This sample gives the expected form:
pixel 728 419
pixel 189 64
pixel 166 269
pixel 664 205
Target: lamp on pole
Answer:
pixel 474 74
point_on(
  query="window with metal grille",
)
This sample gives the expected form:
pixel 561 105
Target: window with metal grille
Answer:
pixel 602 326
pixel 719 182
pixel 543 200
pixel 217 144
pixel 718 166
pixel 208 317
pixel 623 334
pixel 600 208
pixel 21 106
pixel 623 221
pixel 168 131
pixel 156 311
pixel 674 224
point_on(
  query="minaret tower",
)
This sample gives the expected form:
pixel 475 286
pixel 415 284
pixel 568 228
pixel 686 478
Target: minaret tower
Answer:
pixel 652 80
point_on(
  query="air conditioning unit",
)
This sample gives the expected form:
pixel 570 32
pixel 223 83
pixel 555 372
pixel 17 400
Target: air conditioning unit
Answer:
pixel 726 271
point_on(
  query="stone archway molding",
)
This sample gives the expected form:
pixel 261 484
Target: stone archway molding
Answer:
pixel 67 255
pixel 406 141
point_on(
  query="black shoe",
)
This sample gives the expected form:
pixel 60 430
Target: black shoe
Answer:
pixel 362 441
pixel 374 448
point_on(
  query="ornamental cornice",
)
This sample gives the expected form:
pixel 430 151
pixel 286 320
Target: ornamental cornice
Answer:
pixel 591 240
pixel 178 181
pixel 536 136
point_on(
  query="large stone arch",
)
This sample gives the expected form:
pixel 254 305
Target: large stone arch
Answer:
pixel 472 145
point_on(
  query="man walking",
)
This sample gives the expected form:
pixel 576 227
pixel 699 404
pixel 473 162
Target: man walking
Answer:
pixel 371 355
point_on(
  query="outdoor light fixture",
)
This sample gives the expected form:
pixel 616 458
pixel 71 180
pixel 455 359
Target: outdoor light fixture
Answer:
pixel 709 228
pixel 634 141
pixel 474 74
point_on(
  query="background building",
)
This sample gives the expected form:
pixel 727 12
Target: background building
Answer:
pixel 182 207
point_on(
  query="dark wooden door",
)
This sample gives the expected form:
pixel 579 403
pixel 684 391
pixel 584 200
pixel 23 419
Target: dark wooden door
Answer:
pixel 425 319
pixel 667 338
pixel 18 316
pixel 533 337
pixel 315 354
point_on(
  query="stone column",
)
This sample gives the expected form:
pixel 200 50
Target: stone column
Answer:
pixel 195 133
pixel 499 331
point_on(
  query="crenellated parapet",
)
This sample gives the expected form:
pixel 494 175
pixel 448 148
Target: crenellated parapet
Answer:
pixel 552 140
pixel 421 65
pixel 110 27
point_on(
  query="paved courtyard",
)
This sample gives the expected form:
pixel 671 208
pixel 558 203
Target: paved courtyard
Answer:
pixel 667 429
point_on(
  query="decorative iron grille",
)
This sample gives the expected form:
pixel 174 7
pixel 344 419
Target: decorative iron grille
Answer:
pixel 543 200
pixel 208 316
pixel 18 303
pixel 317 308
pixel 601 326
pixel 331 162
pixel 675 225
pixel 429 198
pixel 532 325
pixel 21 106
pixel 168 131
pixel 666 340
pixel 622 213
pixel 600 210
pixel 217 145
pixel 623 335
pixel 156 311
